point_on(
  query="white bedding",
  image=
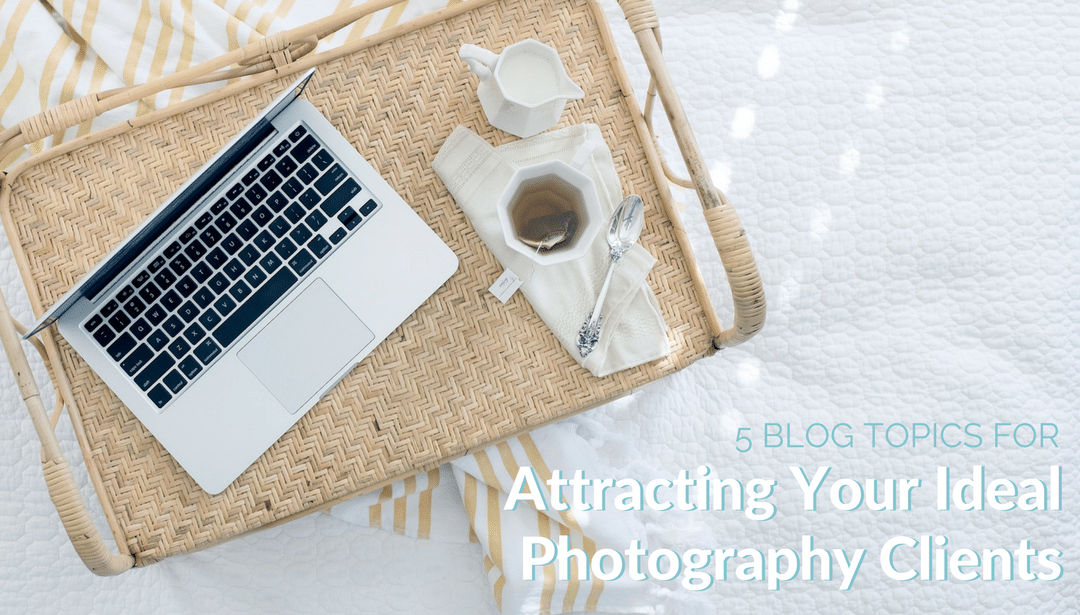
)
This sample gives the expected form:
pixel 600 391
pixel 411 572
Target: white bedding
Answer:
pixel 907 175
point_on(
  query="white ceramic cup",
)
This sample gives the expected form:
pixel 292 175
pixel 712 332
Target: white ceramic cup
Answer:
pixel 573 186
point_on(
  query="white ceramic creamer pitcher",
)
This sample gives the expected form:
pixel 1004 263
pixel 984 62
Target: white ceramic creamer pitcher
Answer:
pixel 523 89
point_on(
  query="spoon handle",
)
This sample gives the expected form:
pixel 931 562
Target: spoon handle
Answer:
pixel 590 331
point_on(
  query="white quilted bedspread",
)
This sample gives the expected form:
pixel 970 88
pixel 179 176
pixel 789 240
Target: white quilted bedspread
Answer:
pixel 907 174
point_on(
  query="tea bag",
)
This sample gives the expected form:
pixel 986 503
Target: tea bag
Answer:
pixel 546 232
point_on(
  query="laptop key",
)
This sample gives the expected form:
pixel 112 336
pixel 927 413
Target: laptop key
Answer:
pixel 331 179
pixel 225 222
pixel 225 305
pixel 219 283
pixel 368 207
pixel 109 308
pixel 251 176
pixel 262 216
pixel 180 265
pixel 209 319
pixel 174 381
pixel 231 244
pixel 138 358
pixel 323 159
pixel 172 250
pixel 190 367
pixel 154 371
pixel 302 262
pixel 316 220
pixel 140 329
pixel 340 197
pixel 240 208
pixel 347 215
pixel 292 187
pixel 160 396
pixel 270 262
pixel 104 335
pixel 141 278
pixel 240 291
pixel 233 192
pixel 247 230
pixel 300 235
pixel 150 293
pixel 281 148
pixel 124 293
pixel 156 264
pixel 179 347
pixel 134 307
pixel 173 326
pixel 285 166
pixel 256 194
pixel 210 237
pixel 194 334
pixel 280 226
pixel 204 297
pixel 188 234
pixel 294 213
pixel 307 174
pixel 188 312
pixel 203 220
pixel 234 269
pixel 249 255
pixel 156 314
pixel 201 272
pixel 254 276
pixel 266 162
pixel 93 323
pixel 195 251
pixel 119 321
pixel 170 300
pixel 165 278
pixel 270 181
pixel 297 133
pixel 264 241
pixel 285 248
pixel 207 351
pixel 121 347
pixel 319 246
pixel 338 236
pixel 260 301
pixel 310 198
pixel 216 258
pixel 157 340
pixel 305 148
pixel 186 286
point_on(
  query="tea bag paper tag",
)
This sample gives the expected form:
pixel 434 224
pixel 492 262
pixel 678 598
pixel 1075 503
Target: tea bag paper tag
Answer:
pixel 505 286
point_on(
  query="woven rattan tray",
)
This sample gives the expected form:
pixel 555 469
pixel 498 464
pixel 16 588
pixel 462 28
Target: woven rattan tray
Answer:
pixel 463 372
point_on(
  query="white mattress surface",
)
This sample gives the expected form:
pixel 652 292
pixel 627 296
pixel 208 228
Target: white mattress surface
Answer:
pixel 907 175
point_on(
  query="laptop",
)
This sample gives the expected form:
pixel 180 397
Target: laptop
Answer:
pixel 253 290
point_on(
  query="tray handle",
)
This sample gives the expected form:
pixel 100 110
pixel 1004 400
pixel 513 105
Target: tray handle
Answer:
pixel 728 235
pixel 59 479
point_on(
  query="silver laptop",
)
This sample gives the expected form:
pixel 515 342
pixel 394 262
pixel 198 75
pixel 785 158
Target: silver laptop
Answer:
pixel 253 290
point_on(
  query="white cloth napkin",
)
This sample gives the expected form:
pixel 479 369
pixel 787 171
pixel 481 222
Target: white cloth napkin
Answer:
pixel 633 330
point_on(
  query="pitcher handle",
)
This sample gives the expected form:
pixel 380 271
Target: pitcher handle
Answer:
pixel 480 60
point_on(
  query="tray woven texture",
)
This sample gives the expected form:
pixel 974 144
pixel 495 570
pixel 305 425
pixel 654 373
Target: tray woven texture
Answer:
pixel 463 372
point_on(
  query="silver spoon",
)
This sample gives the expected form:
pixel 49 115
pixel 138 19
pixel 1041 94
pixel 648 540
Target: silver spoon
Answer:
pixel 626 224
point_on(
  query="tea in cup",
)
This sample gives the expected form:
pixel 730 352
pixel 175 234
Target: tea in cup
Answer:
pixel 550 211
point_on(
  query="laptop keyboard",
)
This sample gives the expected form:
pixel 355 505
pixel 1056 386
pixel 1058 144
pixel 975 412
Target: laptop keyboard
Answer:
pixel 216 277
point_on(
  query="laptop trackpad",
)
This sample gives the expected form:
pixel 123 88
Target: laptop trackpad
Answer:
pixel 305 346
